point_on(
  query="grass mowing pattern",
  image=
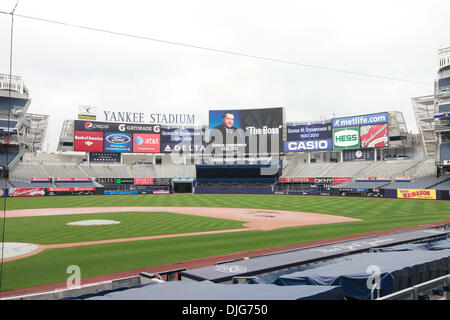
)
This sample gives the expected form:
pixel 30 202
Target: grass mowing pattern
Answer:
pixel 50 266
pixel 53 229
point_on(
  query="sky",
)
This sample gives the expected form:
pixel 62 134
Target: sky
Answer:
pixel 64 67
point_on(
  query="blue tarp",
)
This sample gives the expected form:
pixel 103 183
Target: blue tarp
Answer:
pixel 397 270
pixel 207 290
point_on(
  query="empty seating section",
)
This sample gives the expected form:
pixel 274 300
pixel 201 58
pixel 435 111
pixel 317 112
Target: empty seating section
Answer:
pixel 445 151
pixel 364 184
pixel 104 171
pixel 349 169
pixel 24 171
pixel 422 169
pixel 74 184
pixel 47 158
pixel 389 168
pixel 418 184
pixel 7 157
pixel 443 186
pixel 21 184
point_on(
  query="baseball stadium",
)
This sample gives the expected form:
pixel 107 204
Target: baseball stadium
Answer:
pixel 248 206
pixel 226 175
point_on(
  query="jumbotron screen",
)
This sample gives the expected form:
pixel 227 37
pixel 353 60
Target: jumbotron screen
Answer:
pixel 247 131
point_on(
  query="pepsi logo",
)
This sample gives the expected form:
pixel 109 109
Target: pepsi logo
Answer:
pixel 88 125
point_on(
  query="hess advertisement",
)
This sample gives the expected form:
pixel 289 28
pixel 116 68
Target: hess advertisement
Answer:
pixel 346 138
pixel 312 137
pixel 255 131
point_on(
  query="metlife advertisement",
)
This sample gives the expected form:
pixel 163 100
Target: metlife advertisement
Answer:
pixel 312 137
pixel 363 120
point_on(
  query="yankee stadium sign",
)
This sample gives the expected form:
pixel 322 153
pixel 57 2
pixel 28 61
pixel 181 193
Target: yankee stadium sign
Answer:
pixel 153 118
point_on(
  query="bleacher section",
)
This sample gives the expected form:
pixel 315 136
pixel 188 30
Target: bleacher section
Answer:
pixel 445 151
pixel 418 184
pixel 25 171
pixel 355 169
pixel 364 184
pixel 443 186
pixel 22 184
pixel 74 184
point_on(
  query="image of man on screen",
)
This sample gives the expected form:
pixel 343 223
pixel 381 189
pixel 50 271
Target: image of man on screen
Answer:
pixel 227 126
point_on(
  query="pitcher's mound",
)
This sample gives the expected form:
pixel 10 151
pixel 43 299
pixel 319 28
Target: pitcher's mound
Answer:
pixel 93 223
pixel 15 249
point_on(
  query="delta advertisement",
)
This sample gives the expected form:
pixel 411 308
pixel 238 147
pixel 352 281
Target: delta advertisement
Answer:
pixel 252 131
pixel 312 137
pixel 416 194
pixel 182 140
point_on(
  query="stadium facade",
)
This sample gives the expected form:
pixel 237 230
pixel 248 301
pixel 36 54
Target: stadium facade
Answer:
pixel 256 149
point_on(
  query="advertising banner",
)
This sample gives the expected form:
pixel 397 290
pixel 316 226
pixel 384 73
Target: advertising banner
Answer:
pixel 116 127
pixel 298 180
pixel 119 192
pixel 363 178
pixel 346 138
pixel 71 179
pixel 323 181
pixel 416 194
pixel 118 142
pixel 62 191
pixel 40 179
pixel 26 192
pixel 341 180
pixel 88 141
pixel 161 191
pixel 311 137
pixel 359 155
pixel 252 131
pixel 143 181
pixel 309 145
pixel 374 136
pixel 182 140
pixel 405 178
pixel 56 189
pixel 383 178
pixel 368 119
pixel 3 192
pixel 146 143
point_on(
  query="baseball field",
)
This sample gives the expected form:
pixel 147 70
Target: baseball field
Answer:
pixel 166 233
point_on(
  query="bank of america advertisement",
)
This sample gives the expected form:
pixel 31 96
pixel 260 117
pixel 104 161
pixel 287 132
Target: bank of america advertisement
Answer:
pixel 247 131
pixel 346 138
pixel 311 137
pixel 363 120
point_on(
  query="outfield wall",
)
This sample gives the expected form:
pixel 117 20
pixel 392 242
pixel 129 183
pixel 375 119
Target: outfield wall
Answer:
pixel 422 194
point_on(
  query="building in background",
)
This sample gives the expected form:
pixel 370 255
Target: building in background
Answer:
pixel 442 111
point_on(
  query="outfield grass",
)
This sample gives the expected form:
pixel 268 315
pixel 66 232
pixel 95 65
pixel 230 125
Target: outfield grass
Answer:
pixel 50 266
pixel 53 229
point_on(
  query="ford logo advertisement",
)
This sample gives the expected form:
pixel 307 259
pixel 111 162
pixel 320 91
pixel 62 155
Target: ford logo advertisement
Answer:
pixel 118 142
